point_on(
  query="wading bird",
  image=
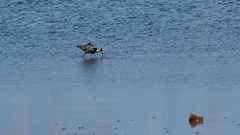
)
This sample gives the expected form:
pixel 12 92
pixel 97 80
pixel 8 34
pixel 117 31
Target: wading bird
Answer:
pixel 90 48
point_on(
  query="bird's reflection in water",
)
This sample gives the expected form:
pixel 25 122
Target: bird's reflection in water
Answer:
pixel 92 60
pixel 90 72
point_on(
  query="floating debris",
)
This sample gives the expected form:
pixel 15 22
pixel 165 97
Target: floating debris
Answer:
pixel 167 131
pixel 195 120
pixel 80 127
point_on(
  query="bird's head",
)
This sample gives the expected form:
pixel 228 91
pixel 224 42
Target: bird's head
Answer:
pixel 99 50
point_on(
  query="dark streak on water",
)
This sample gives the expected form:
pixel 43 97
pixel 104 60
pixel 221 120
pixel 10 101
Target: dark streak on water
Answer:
pixel 167 58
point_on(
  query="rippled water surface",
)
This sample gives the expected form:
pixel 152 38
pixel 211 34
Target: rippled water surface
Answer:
pixel 162 60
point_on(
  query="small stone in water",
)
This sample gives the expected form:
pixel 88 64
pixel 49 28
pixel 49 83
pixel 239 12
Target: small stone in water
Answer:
pixel 195 120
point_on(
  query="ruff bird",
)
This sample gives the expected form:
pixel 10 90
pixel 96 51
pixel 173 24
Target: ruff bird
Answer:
pixel 90 48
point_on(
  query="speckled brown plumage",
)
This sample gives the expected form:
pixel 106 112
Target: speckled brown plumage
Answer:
pixel 89 48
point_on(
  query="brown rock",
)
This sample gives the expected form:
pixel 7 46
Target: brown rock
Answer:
pixel 195 120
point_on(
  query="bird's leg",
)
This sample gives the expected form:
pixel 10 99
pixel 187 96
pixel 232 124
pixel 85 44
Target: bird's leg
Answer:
pixel 83 55
pixel 102 53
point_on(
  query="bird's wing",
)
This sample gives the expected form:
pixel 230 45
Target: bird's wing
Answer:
pixel 89 45
pixel 90 48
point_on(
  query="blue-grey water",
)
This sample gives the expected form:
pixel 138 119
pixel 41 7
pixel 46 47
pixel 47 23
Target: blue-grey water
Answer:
pixel 162 60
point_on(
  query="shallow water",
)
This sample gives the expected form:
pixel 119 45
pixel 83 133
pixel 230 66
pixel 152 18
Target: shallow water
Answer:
pixel 162 61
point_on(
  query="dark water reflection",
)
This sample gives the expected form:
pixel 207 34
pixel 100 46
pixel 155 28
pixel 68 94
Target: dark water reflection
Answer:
pixel 162 60
pixel 90 70
pixel 91 61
